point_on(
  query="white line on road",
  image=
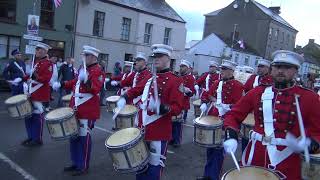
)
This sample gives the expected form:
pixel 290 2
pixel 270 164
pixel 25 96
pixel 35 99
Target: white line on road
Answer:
pixel 108 131
pixel 188 125
pixel 16 167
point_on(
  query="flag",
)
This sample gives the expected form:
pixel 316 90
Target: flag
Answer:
pixel 57 3
pixel 241 43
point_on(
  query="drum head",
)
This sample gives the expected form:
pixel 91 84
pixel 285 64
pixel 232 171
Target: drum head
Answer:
pixel 67 97
pixel 197 102
pixel 113 98
pixel 127 110
pixel 208 120
pixel 16 99
pixel 250 173
pixel 123 136
pixel 59 113
pixel 249 120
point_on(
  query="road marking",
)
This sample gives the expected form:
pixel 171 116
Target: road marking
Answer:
pixel 188 125
pixel 108 131
pixel 16 167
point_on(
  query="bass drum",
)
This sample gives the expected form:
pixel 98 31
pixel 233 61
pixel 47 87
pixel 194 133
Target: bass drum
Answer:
pixel 252 173
pixel 311 172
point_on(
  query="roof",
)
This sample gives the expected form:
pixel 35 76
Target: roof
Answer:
pixel 191 43
pixel 236 46
pixel 273 15
pixel 311 59
pixel 154 7
pixel 214 13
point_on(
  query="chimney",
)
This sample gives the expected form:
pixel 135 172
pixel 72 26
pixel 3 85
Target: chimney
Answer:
pixel 275 9
pixel 311 41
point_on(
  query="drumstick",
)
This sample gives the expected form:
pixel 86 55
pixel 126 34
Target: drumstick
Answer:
pixel 235 161
pixel 301 126
pixel 116 114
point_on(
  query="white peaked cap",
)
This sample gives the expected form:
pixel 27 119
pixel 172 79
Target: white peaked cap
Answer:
pixel 214 63
pixel 43 46
pixel 90 50
pixel 287 57
pixel 141 55
pixel 186 63
pixel 228 64
pixel 264 62
pixel 162 49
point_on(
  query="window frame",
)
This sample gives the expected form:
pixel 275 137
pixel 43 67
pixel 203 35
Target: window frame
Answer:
pixel 167 38
pixel 48 10
pixel 147 33
pixel 125 29
pixel 8 45
pixel 98 23
pixel 10 4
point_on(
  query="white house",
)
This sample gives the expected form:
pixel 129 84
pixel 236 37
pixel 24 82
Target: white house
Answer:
pixel 214 48
pixel 120 28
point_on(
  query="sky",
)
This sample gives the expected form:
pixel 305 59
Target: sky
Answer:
pixel 302 15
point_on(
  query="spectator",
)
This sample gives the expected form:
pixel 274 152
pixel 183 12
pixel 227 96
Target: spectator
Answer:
pixel 117 69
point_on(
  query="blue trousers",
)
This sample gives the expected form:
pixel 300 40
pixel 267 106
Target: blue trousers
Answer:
pixel 15 90
pixel 177 132
pixel 244 143
pixel 185 114
pixel 34 127
pixel 153 172
pixel 80 149
pixel 213 168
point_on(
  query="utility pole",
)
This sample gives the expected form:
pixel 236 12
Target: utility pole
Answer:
pixel 233 36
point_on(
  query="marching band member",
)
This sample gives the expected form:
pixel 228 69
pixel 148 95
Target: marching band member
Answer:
pixel 128 74
pixel 188 91
pixel 86 102
pixel 273 143
pixel 261 78
pixel 207 79
pixel 14 73
pixel 223 94
pixel 39 92
pixel 155 114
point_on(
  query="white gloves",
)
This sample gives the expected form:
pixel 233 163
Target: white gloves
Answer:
pixel 56 86
pixel 153 105
pixel 230 145
pixel 203 107
pixel 121 103
pixel 17 80
pixel 83 76
pixel 297 144
pixel 107 80
pixel 187 90
pixel 114 83
pixel 226 107
pixel 196 87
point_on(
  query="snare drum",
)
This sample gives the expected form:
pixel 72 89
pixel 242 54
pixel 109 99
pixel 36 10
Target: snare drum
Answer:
pixel 112 102
pixel 247 125
pixel 313 171
pixel 127 150
pixel 126 116
pixel 208 131
pixel 19 106
pixel 66 100
pixel 196 106
pixel 177 118
pixel 62 123
pixel 251 173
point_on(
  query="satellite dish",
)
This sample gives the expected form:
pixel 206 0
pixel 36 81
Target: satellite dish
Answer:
pixel 246 1
pixel 235 6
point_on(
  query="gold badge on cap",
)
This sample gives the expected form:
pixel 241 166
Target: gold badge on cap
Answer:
pixel 284 55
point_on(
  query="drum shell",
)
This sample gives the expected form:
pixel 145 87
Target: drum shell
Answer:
pixel 66 100
pixel 63 128
pixel 178 118
pixel 130 157
pixel 123 121
pixel 20 109
pixel 245 129
pixel 111 104
pixel 276 174
pixel 208 136
pixel 196 108
pixel 313 172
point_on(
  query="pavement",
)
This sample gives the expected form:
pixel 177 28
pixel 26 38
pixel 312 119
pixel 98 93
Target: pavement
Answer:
pixel 47 162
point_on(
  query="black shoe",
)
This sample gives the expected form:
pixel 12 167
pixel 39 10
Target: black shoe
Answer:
pixel 170 142
pixel 203 178
pixel 80 172
pixel 114 129
pixel 34 144
pixel 25 142
pixel 69 168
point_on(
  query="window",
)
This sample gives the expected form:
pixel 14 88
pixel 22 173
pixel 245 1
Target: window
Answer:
pixel 270 33
pixel 236 58
pixel 167 34
pixel 236 35
pixel 125 30
pixel 128 57
pixel 276 34
pixel 57 48
pixel 98 23
pixel 47 14
pixel 8 44
pixel 8 10
pixel 257 60
pixel 246 60
pixel 147 33
pixel 105 59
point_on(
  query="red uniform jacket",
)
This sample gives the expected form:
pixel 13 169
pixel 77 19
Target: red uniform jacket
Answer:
pixel 141 80
pixel 232 91
pixel 264 80
pixel 169 95
pixel 127 81
pixel 91 108
pixel 189 82
pixel 42 73
pixel 201 81
pixel 285 120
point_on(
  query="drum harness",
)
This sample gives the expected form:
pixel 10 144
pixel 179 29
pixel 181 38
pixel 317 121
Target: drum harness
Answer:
pixel 222 108
pixel 25 85
pixel 268 139
pixel 256 81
